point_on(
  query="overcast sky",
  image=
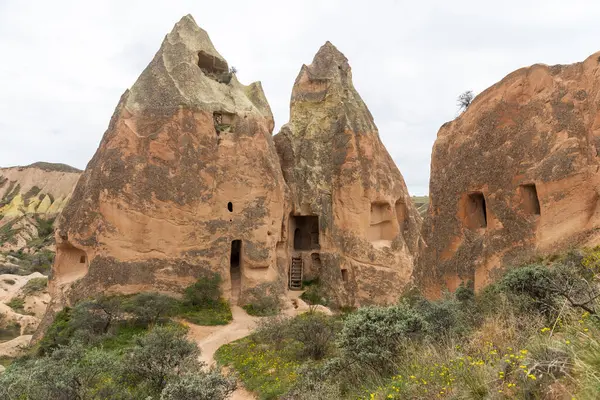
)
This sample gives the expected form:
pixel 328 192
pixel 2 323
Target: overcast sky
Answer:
pixel 64 64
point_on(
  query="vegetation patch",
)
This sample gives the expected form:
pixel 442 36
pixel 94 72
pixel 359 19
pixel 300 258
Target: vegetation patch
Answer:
pixel 35 285
pixel 531 335
pixel 219 313
pixel 266 371
pixel 17 304
pixel 263 300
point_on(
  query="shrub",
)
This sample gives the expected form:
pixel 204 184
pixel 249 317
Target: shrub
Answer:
pixel 374 336
pixel 35 285
pixel 464 293
pixel 263 300
pixel 314 293
pixel 273 330
pixel 97 316
pixel 313 385
pixel 149 308
pixel 9 270
pixel 17 304
pixel 315 331
pixel 199 386
pixel 160 352
pixel 445 317
pixel 205 292
pixel 69 373
pixel 59 333
pixel 464 100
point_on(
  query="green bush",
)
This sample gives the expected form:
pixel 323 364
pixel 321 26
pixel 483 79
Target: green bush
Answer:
pixel 530 287
pixel 445 318
pixel 160 352
pixel 97 316
pixel 149 308
pixel 206 291
pixel 314 384
pixel 35 285
pixel 17 304
pixel 374 336
pixel 59 333
pixel 203 386
pixel 314 293
pixel 273 330
pixel 263 300
pixel 315 331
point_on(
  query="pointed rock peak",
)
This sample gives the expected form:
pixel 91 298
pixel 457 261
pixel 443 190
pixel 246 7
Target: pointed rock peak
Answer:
pixel 196 39
pixel 328 60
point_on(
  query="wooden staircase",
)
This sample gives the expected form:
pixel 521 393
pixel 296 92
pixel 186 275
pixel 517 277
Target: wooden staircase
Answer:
pixel 296 274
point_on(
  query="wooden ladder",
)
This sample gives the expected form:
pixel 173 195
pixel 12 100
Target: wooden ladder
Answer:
pixel 296 274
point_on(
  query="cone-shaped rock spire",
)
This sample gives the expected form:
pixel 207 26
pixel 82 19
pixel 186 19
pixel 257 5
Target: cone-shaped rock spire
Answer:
pixel 339 171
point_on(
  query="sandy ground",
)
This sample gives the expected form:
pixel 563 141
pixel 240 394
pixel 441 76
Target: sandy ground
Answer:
pixel 210 338
pixel 10 287
pixel 15 347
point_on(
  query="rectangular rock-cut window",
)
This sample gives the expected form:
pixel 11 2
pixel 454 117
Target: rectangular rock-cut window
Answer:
pixel 235 268
pixel 306 232
pixel 381 226
pixel 82 259
pixel 475 212
pixel 530 199
pixel 344 275
pixel 224 122
pixel 211 64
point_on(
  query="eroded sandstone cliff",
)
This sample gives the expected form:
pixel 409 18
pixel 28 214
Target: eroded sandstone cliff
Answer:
pixel 28 194
pixel 352 224
pixel 186 180
pixel 515 175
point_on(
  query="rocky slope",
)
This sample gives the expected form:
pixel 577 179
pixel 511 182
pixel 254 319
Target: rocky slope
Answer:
pixel 515 175
pixel 30 198
pixel 185 181
pixel 352 222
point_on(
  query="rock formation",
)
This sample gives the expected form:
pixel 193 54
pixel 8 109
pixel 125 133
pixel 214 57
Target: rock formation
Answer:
pixel 515 175
pixel 39 190
pixel 352 223
pixel 186 180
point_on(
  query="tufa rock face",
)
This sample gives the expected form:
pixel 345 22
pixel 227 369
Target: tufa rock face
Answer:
pixel 186 180
pixel 352 222
pixel 29 193
pixel 516 174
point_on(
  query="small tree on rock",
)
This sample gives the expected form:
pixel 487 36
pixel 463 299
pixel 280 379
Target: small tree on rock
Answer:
pixel 464 100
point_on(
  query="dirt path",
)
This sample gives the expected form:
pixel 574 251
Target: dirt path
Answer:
pixel 210 338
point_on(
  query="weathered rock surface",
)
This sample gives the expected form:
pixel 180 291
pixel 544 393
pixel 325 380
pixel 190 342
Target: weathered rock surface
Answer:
pixel 186 169
pixel 352 222
pixel 516 174
pixel 39 190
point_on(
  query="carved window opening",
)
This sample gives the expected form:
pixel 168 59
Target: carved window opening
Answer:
pixel 381 226
pixel 82 259
pixel 530 198
pixel 235 268
pixel 475 211
pixel 344 275
pixel 306 232
pixel 224 122
pixel 230 206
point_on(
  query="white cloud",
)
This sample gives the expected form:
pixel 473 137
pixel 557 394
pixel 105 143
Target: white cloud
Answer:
pixel 64 64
